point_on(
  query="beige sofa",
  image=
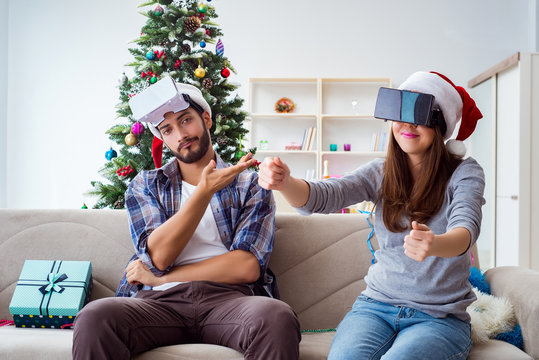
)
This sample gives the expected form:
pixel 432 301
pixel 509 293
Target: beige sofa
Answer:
pixel 319 260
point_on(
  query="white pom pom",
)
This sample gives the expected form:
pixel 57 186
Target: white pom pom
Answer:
pixel 456 147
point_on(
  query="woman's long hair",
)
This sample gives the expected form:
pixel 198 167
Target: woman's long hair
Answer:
pixel 420 200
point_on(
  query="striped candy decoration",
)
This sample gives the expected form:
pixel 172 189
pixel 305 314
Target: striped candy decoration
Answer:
pixel 219 48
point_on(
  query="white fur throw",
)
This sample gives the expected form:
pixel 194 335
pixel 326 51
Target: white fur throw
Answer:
pixel 490 316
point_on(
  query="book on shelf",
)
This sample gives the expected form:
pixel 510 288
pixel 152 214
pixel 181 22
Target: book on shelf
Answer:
pixel 308 139
pixel 379 141
pixel 305 133
pixel 313 137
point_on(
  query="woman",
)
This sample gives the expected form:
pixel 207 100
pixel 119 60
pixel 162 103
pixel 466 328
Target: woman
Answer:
pixel 427 216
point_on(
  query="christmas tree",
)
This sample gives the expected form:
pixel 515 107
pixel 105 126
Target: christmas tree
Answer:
pixel 174 42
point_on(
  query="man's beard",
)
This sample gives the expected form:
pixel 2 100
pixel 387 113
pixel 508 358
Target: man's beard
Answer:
pixel 194 155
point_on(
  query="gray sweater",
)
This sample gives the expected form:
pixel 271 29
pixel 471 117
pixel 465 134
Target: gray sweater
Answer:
pixel 437 286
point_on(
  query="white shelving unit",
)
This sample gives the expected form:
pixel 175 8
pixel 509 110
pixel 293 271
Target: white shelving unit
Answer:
pixel 341 110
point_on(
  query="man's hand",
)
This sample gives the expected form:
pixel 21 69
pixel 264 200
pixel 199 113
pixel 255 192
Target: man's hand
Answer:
pixel 418 243
pixel 213 180
pixel 137 273
pixel 273 174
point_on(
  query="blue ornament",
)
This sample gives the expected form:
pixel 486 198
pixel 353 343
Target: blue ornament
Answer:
pixel 111 154
pixel 150 55
pixel 202 44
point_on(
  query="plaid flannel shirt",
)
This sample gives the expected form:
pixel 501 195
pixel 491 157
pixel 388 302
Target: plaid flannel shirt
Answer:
pixel 243 211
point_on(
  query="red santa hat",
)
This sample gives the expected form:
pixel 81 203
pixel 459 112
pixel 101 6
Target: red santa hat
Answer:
pixel 454 102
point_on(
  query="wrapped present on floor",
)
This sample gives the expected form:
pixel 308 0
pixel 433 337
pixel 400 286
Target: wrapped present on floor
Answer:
pixel 49 293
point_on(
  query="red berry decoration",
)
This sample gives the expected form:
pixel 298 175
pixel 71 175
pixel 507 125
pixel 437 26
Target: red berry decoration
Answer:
pixel 207 31
pixel 123 172
pixel 148 74
pixel 225 72
pixel 178 63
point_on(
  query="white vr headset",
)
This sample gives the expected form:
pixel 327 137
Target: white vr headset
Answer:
pixel 165 96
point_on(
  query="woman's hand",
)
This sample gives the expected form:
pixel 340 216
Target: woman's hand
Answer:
pixel 137 273
pixel 417 245
pixel 273 174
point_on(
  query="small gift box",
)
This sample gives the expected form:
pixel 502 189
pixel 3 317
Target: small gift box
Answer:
pixel 49 293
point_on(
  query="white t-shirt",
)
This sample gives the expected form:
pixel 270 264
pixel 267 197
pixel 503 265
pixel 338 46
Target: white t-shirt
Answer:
pixel 205 242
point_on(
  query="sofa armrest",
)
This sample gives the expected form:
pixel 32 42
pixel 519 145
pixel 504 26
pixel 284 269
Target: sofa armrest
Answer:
pixel 521 287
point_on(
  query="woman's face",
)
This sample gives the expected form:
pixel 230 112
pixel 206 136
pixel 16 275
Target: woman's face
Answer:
pixel 414 141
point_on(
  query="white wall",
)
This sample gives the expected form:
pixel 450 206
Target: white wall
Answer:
pixel 64 61
pixel 3 99
pixel 534 27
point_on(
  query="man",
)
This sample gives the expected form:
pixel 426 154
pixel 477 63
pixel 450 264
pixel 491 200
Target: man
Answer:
pixel 203 233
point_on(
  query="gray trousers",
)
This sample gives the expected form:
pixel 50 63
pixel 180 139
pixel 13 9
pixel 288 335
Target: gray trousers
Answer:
pixel 194 312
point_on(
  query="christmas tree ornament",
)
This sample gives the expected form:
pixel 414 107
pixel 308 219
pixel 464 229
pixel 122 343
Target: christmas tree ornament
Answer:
pixel 222 141
pixel 219 48
pixel 202 44
pixel 137 128
pixel 84 207
pixel 203 8
pixel 186 49
pixel 240 153
pixel 160 55
pixel 158 11
pixel 207 84
pixel 124 172
pixel 122 79
pixel 131 139
pixel 111 154
pixel 225 72
pixel 150 55
pixel 119 204
pixel 153 79
pixel 200 72
pixel 192 23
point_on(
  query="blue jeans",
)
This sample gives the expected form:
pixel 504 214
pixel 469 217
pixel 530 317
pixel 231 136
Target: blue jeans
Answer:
pixel 376 330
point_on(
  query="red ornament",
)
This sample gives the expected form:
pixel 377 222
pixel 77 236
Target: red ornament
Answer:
pixel 178 63
pixel 225 72
pixel 207 31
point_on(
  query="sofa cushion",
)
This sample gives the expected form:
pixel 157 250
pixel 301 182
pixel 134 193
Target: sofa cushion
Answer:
pixel 55 344
pixel 497 350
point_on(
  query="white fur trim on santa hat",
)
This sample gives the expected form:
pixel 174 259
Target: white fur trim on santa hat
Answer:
pixel 456 147
pixel 446 97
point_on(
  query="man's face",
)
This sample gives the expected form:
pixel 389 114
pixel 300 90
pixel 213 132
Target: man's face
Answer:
pixel 186 134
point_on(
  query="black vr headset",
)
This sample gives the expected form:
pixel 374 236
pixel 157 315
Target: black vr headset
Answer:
pixel 408 106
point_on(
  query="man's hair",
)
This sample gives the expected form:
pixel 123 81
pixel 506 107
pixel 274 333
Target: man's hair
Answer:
pixel 420 200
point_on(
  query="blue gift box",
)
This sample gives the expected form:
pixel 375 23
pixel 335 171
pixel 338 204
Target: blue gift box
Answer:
pixel 50 293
